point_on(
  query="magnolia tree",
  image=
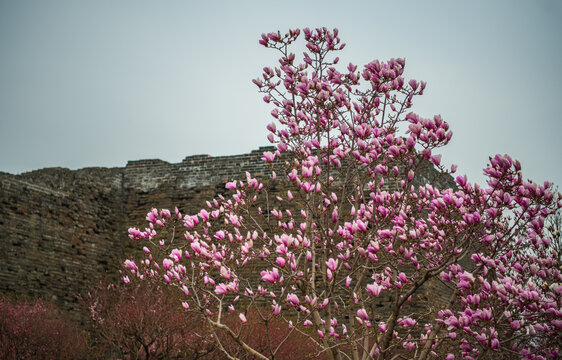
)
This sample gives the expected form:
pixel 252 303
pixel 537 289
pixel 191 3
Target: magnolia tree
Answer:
pixel 356 241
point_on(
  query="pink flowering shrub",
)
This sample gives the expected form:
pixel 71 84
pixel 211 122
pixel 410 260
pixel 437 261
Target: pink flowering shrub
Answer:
pixel 346 256
pixel 36 330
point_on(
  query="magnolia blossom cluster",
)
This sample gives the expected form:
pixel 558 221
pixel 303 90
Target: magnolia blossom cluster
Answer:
pixel 350 250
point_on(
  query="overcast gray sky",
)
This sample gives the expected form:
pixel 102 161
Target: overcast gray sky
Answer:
pixel 97 83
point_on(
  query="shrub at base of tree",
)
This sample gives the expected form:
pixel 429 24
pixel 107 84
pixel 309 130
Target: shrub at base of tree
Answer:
pixel 146 321
pixel 143 321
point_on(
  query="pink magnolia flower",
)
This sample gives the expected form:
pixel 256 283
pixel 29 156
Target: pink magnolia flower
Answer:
pixel 268 156
pixel 306 171
pixel 225 273
pixel 362 313
pixel 167 263
pixel 293 299
pixel 130 264
pixel 446 276
pixel 271 127
pixel 361 226
pixel 280 261
pixel 243 318
pixel 203 214
pixel 196 247
pixel 374 289
pixel 152 216
pixel 332 264
pixel 270 276
pixel 408 322
pixel 176 255
pixel 221 289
